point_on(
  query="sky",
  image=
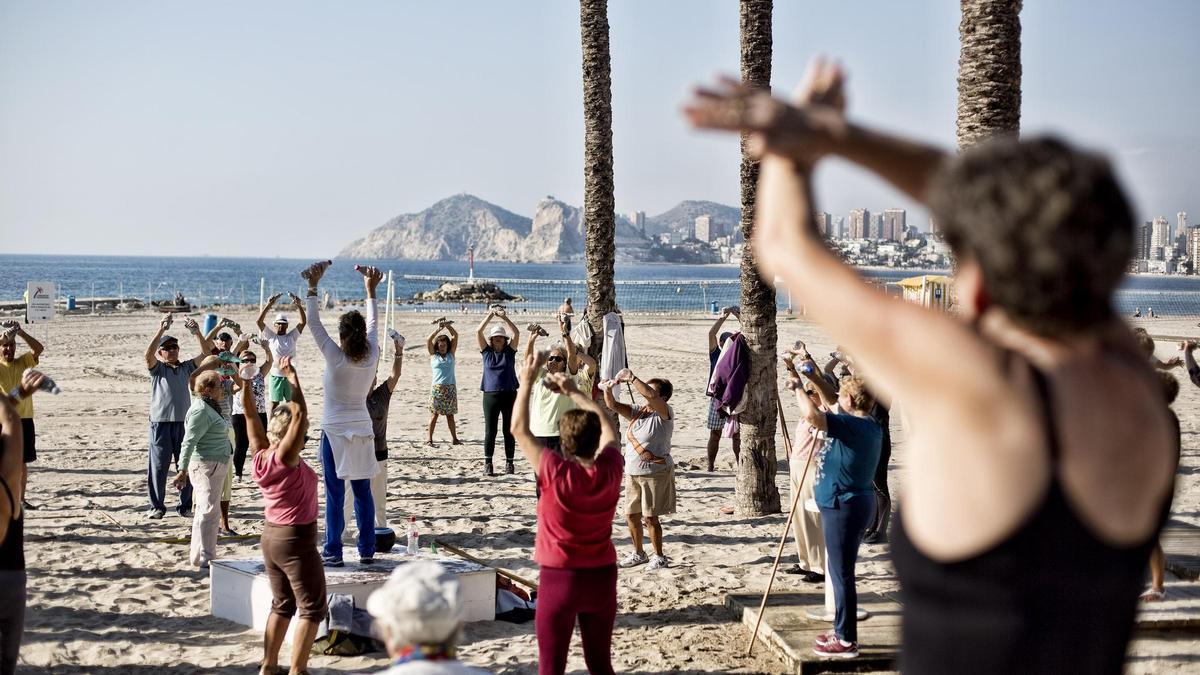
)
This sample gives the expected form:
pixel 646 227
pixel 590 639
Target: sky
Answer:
pixel 292 127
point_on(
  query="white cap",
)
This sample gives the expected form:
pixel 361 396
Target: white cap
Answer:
pixel 419 604
pixel 496 330
pixel 281 318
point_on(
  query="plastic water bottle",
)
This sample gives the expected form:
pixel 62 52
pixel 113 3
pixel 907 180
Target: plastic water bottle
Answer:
pixel 807 368
pixel 322 266
pixel 413 536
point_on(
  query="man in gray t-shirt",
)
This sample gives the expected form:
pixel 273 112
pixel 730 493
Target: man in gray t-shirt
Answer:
pixel 170 397
pixel 649 469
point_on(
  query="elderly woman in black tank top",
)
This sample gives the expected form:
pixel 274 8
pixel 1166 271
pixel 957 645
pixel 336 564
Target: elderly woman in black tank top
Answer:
pixel 1039 435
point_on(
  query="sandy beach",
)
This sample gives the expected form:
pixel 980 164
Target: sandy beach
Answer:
pixel 108 594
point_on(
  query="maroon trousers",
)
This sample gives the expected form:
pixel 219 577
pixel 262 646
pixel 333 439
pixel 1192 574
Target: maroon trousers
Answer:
pixel 589 595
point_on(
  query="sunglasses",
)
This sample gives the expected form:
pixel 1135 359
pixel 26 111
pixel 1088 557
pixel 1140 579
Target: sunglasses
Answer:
pixel 248 359
pixel 555 359
pixel 169 348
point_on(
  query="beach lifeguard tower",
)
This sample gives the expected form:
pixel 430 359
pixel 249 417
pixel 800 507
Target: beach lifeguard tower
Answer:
pixel 928 290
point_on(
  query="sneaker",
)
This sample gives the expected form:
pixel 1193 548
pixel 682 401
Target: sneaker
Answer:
pixel 509 468
pixel 186 513
pixel 27 506
pixel 226 532
pixel 155 514
pixel 330 561
pixel 487 468
pixel 634 559
pixel 657 562
pixel 825 638
pixel 813 578
pixel 366 561
pixel 204 564
pixel 836 648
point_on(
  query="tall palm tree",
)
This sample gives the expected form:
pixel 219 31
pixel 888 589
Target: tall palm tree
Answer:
pixel 755 492
pixel 989 70
pixel 598 202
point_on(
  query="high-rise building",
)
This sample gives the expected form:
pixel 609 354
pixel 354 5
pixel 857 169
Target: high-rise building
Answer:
pixel 704 229
pixel 860 221
pixel 1181 226
pixel 1141 241
pixel 894 224
pixel 1160 239
pixel 1193 247
pixel 638 218
pixel 934 230
pixel 876 231
pixel 824 224
pixel 839 228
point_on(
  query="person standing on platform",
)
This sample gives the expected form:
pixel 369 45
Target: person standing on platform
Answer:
pixel 170 398
pixel 281 342
pixel 11 369
pixel 347 435
pixel 499 386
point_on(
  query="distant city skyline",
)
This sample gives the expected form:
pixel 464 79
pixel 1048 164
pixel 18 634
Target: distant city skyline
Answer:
pixel 291 128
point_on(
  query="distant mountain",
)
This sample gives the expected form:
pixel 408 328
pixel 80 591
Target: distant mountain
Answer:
pixel 446 229
pixel 683 217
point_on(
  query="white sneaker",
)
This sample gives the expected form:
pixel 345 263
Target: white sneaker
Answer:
pixel 634 559
pixel 657 562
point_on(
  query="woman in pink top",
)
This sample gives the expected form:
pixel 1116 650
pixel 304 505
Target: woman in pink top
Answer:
pixel 580 490
pixel 289 539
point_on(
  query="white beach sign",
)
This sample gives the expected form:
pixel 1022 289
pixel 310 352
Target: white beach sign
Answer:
pixel 39 302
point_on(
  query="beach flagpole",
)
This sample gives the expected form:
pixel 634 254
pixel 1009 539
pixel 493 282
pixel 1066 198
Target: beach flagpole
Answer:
pixel 262 288
pixel 787 526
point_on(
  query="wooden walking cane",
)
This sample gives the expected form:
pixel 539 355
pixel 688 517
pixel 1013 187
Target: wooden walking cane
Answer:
pixel 787 444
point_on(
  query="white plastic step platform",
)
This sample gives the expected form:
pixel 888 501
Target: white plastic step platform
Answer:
pixel 240 592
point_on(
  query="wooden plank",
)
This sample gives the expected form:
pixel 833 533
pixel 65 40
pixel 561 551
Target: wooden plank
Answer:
pixel 789 633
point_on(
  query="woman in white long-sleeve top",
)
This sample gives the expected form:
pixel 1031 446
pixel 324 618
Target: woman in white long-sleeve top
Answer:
pixel 347 437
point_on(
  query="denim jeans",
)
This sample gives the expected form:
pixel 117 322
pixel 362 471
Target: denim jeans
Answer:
pixel 844 525
pixel 335 520
pixel 166 440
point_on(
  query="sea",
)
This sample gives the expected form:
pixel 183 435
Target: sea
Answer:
pixel 641 287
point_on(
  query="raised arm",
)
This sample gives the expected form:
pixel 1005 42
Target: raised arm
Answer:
pixel 479 332
pixel 299 307
pixel 262 316
pixel 268 361
pixel 824 389
pixel 429 341
pixel 254 426
pixel 34 346
pixel 608 430
pixel 152 349
pixel 623 409
pixel 208 363
pixel 715 330
pixel 453 338
pixel 653 400
pixel 568 344
pixel 530 446
pixel 529 346
pixel 516 332
pixel 1189 359
pixel 809 412
pixel 292 443
pixel 206 345
pixel 397 364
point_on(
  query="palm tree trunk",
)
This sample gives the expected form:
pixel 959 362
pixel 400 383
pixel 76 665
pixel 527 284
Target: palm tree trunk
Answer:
pixel 598 202
pixel 755 492
pixel 989 70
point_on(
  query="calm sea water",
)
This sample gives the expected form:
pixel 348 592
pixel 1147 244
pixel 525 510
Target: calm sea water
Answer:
pixel 640 287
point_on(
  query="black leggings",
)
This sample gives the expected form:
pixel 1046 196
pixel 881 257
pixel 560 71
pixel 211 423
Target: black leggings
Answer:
pixel 242 441
pixel 495 404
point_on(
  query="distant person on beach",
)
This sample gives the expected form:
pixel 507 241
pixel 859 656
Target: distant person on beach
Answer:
pixel 649 468
pixel 378 406
pixel 845 465
pixel 281 342
pixel 11 369
pixel 806 525
pixel 580 489
pixel 170 399
pixel 289 539
pixel 1137 312
pixel 418 616
pixel 566 313
pixel 347 434
pixel 1016 469
pixel 716 420
pixel 1150 312
pixel 442 348
pixel 203 463
pixel 12 518
pixel 546 407
pixel 499 386
pixel 258 386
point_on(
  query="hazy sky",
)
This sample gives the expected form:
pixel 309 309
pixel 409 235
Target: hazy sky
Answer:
pixel 290 128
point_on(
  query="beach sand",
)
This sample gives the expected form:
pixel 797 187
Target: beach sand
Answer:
pixel 106 595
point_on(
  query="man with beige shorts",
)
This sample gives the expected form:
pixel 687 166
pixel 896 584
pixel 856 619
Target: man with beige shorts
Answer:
pixel 649 469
